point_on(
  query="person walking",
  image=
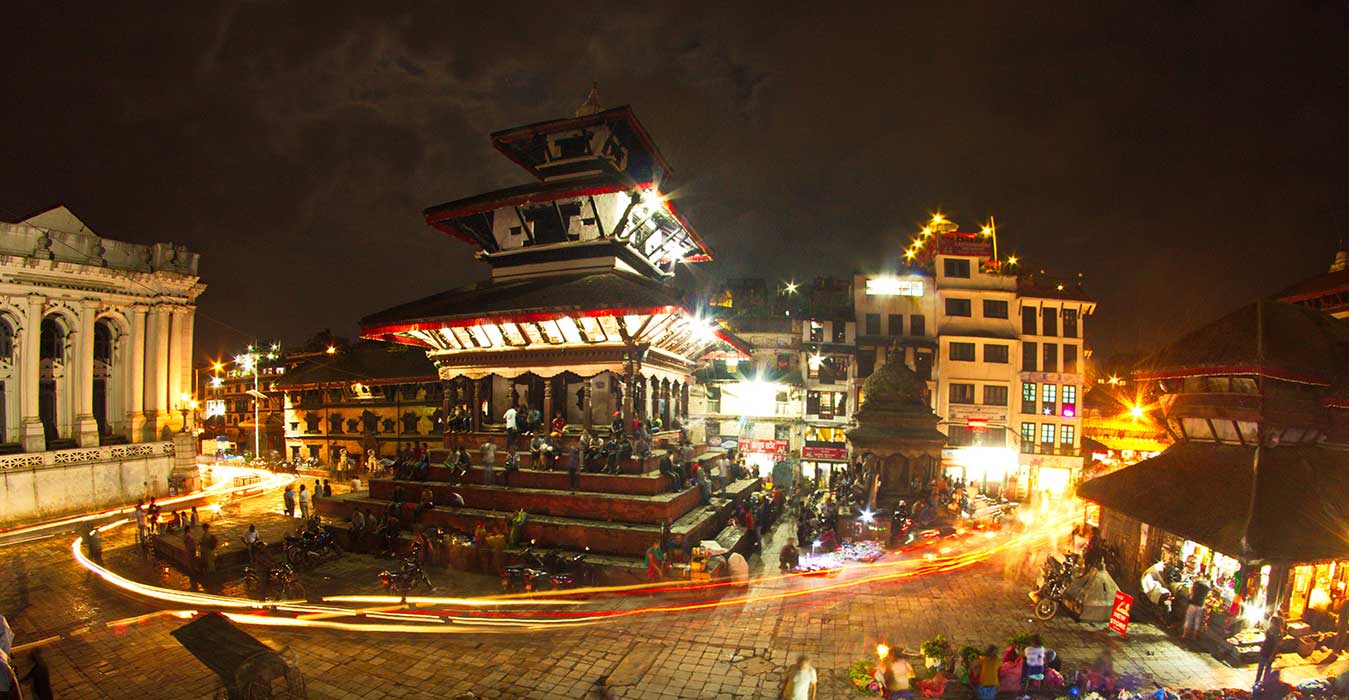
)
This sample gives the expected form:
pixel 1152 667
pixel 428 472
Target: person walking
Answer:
pixel 209 542
pixel 304 503
pixel 317 492
pixel 288 501
pixel 1269 648
pixel 511 426
pixel 488 451
pixel 94 541
pixel 573 459
pixel 253 542
pixel 140 524
pixel 1194 612
pixel 801 680
pixel 39 675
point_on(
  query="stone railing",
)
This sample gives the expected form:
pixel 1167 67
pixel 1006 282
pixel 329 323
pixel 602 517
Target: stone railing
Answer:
pixel 85 455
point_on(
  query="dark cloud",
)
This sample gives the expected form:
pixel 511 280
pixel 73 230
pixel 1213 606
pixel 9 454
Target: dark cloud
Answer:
pixel 1184 157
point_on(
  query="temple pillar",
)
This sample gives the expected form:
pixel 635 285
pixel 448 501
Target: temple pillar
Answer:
pixel 477 405
pixel 86 427
pixel 33 437
pixel 588 417
pixel 135 393
pixel 547 402
pixel 446 391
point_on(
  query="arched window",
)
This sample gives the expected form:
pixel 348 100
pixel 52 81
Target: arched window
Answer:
pixel 53 340
pixel 102 342
pixel 6 339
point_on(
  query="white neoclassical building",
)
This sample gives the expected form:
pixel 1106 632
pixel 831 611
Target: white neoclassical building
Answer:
pixel 95 335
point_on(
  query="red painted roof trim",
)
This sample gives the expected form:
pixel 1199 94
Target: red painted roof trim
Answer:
pixel 388 332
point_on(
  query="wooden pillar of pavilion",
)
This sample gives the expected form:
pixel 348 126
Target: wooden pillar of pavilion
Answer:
pixel 446 391
pixel 548 402
pixel 587 416
pixel 476 411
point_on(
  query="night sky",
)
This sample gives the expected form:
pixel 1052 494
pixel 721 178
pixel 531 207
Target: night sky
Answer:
pixel 1186 157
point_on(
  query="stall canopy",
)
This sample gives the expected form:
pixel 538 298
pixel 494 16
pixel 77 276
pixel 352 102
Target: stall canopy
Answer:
pixel 1298 510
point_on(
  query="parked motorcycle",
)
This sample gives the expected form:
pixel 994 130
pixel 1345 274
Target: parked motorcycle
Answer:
pixel 310 548
pixel 265 582
pixel 561 572
pixel 524 576
pixel 1055 576
pixel 405 579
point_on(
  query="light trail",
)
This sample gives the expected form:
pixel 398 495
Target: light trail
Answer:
pixel 224 475
pixel 474 615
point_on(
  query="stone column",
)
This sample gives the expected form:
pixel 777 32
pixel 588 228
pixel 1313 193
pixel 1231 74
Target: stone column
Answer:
pixel 177 351
pixel 136 378
pixel 33 437
pixel 86 428
pixel 157 372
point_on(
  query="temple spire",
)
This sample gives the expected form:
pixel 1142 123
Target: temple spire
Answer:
pixel 592 102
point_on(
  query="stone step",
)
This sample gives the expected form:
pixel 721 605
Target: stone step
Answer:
pixel 576 534
pixel 648 484
pixel 546 531
pixel 563 503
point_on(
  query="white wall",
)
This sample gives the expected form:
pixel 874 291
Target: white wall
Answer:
pixel 51 484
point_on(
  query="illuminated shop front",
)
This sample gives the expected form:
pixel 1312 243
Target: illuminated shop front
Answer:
pixel 824 453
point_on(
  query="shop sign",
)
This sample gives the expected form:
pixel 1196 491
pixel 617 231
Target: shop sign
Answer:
pixel 1119 613
pixel 725 443
pixel 964 413
pixel 812 452
pixel 951 245
pixel 771 447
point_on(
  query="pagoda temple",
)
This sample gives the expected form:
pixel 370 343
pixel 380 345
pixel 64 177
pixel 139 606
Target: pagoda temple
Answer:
pixel 580 319
pixel 580 316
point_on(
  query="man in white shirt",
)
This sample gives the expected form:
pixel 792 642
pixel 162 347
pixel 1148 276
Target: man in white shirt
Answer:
pixel 801 681
pixel 511 428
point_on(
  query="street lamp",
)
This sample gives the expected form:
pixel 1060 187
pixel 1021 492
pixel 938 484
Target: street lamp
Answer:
pixel 186 404
pixel 248 364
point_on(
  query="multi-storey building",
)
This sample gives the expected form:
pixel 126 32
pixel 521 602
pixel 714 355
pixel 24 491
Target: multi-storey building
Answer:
pixel 829 354
pixel 1001 352
pixel 753 405
pixel 1051 380
pixel 95 353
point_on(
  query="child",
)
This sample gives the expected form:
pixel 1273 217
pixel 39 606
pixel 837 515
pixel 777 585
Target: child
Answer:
pixel 1035 662
pixel 988 673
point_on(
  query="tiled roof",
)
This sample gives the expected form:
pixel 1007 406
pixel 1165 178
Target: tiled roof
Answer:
pixel 366 362
pixel 1298 513
pixel 1272 338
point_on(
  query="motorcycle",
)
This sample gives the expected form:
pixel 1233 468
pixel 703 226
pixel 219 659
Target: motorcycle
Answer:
pixel 310 548
pixel 1053 584
pixel 561 572
pixel 524 576
pixel 405 580
pixel 281 577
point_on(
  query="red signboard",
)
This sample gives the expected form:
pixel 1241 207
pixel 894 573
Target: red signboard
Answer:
pixel 965 244
pixel 1119 614
pixel 839 453
pixel 772 447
